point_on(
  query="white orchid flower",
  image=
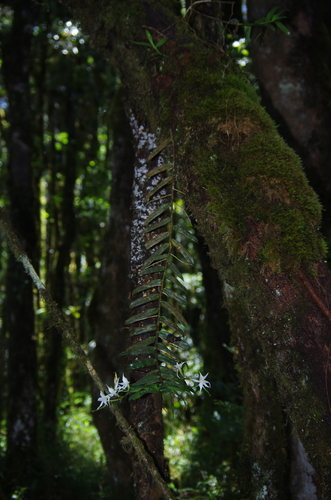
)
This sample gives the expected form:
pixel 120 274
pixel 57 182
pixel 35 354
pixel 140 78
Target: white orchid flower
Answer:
pixel 125 384
pixel 116 382
pixel 104 399
pixel 178 367
pixel 203 383
pixel 112 392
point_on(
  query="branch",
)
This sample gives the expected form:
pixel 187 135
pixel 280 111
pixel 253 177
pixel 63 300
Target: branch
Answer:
pixel 67 333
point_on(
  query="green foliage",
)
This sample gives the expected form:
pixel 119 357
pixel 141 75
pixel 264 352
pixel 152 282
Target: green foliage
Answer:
pixel 271 21
pixel 151 43
pixel 166 325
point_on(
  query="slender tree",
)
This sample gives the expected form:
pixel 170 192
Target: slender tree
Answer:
pixel 19 310
pixel 110 305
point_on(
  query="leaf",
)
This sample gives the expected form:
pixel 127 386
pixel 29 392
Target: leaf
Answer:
pixel 151 270
pixel 185 233
pixel 156 225
pixel 270 14
pixel 150 378
pixel 149 390
pixel 144 300
pixel 150 38
pixel 156 257
pixel 160 148
pixel 175 270
pixel 159 186
pixel 141 343
pixel 149 313
pixel 175 312
pixel 174 295
pixel 167 359
pixel 164 349
pixel 146 286
pixel 166 337
pixel 170 324
pixel 187 257
pixel 282 27
pixel 141 363
pixel 157 239
pixel 176 282
pixel 161 42
pixel 156 213
pixel 138 350
pixel 140 43
pixel 248 30
pixel 160 168
pixel 142 331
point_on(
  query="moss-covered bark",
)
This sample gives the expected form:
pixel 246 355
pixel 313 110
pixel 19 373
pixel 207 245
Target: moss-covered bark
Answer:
pixel 252 203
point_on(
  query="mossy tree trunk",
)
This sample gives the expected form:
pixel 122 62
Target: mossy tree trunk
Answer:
pixel 252 203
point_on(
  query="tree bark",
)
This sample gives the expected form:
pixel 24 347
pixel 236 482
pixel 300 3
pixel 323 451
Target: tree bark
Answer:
pixel 145 412
pixel 294 74
pixel 110 305
pixel 252 203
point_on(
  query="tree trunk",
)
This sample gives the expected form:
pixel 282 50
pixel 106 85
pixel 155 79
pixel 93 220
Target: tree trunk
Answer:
pixel 54 364
pixel 145 412
pixel 294 74
pixel 110 305
pixel 22 363
pixel 246 189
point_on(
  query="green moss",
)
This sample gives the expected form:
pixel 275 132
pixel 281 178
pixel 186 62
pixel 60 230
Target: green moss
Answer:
pixel 256 189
